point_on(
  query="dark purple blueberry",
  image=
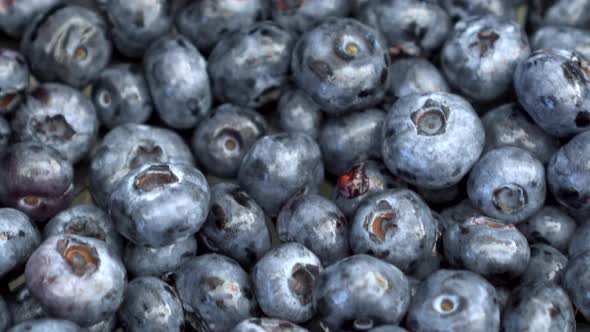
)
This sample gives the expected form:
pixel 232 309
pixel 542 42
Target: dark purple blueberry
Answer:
pixel 298 113
pixel 415 75
pixel 550 226
pixel 16 15
pixel 146 261
pixel 267 325
pixel 576 281
pixel 5 319
pixel 562 37
pixel 5 134
pixel 18 239
pixel 461 9
pixel 574 13
pixel 45 325
pixel 579 241
pixel 298 16
pixel 14 77
pixel 546 265
pixel 457 214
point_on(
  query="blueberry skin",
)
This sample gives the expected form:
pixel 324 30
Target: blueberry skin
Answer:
pixel 409 26
pixel 5 319
pixel 250 66
pixel 388 328
pixel 215 292
pixel 342 65
pixel 158 203
pixel 317 223
pixel 574 13
pixel 5 133
pixel 206 22
pixel 396 226
pixel 496 251
pixel 278 166
pixel 503 296
pixel 135 24
pixel 460 10
pixel 67 44
pixel 283 281
pixel 298 113
pixel 18 239
pixel 431 140
pixel 352 138
pixel 17 15
pixel 58 116
pixel 457 214
pixel 45 325
pixel 550 226
pixel 415 75
pixel 151 305
pixel 14 78
pixel 179 84
pixel 546 265
pixel 76 277
pixel 361 291
pixel 359 182
pixel 562 37
pixel 120 95
pixel 127 147
pixel 509 125
pixel 456 299
pixel 267 325
pixel 107 325
pixel 85 220
pixel 221 141
pixel 539 307
pixel 24 306
pixel 579 241
pixel 36 180
pixel 576 282
pixel 507 183
pixel 299 16
pixel 559 112
pixel 146 261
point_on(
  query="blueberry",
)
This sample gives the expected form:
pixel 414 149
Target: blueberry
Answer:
pixel 388 328
pixel 279 166
pixel 562 37
pixel 298 113
pixel 150 205
pixel 433 260
pixel 576 282
pixel 461 9
pixel 579 241
pixel 574 13
pixel 457 214
pixel 45 325
pixel 496 251
pixel 76 277
pixel 150 305
pixel 559 112
pixel 360 292
pixel 17 14
pixel 317 223
pixel 121 95
pixel 410 27
pixel 147 261
pixel 58 116
pixel 539 307
pixel 546 265
pixel 179 84
pixel 250 66
pixel 503 296
pixel 507 183
pixel 68 44
pixel 5 319
pixel 215 292
pixel 431 140
pixel 396 226
pixel 107 325
pixel 267 325
pixel 24 306
pixel 85 220
pixel 550 226
pixel 221 140
pixel 127 147
pixel 35 179
pixel 299 16
pixel 14 78
pixel 415 75
pixel 352 138
pixel 456 299
pixel 18 239
pixel 508 125
pixel 206 22
pixel 342 65
pixel 5 133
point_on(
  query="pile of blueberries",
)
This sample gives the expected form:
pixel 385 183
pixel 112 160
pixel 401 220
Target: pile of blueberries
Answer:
pixel 295 165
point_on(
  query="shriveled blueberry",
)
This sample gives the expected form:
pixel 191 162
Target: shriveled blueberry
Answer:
pixel 267 325
pixel 562 37
pixel 576 281
pixel 342 65
pixel 14 78
pixel 457 214
pixel 507 183
pixel 496 251
pixel 121 95
pixel 157 204
pixel 205 22
pixel 215 292
pixel 68 44
pixel 18 239
pixel 127 147
pixel 409 26
pixel 579 241
pixel 349 139
pixel 388 328
pixel 461 9
pixel 415 75
pixel 60 117
pixel 298 113
pixel 45 325
pixel 508 125
pixel 5 319
pixel 151 305
pixel 300 15
pixel 574 13
pixel 5 133
pixel 179 84
pixel 550 226
pixel 546 265
pixel 236 225
pixel 432 140
pixel 396 226
pixel 76 277
pixel 221 141
pixel 147 261
pixel 455 299
pixel 35 179
pixel 16 15
pixel 24 306
pixel 249 67
pixel 360 292
pixel 559 112
pixel 539 307
pixel 279 166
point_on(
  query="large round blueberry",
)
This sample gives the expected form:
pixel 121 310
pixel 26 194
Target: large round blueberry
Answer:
pixel 18 239
pixel 415 75
pixel 16 15
pixel 14 78
pixel 298 113
pixel 267 325
pixel 300 15
pixel 45 325
pixel 550 226
pixel 546 265
pixel 147 261
pixel 562 37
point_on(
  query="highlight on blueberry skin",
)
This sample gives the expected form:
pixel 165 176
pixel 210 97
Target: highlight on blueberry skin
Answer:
pixel 298 113
pixel 5 134
pixel 546 265
pixel 14 79
pixel 551 226
pixel 143 261
pixel 267 325
pixel 415 75
pixel 45 325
